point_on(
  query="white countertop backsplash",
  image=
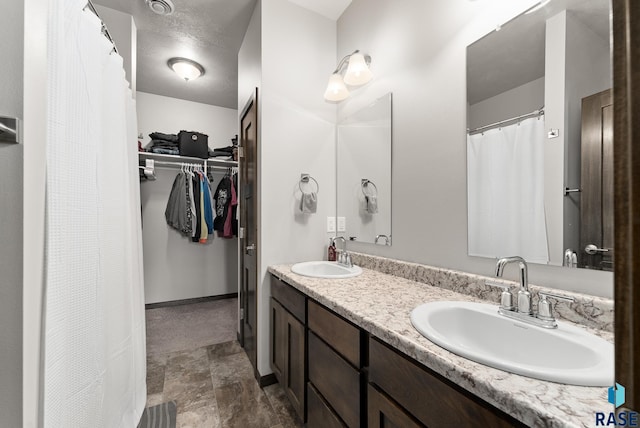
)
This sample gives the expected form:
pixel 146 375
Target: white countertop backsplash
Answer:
pixel 381 299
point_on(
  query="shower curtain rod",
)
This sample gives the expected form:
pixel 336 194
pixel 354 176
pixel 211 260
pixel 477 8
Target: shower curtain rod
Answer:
pixel 105 31
pixel 538 112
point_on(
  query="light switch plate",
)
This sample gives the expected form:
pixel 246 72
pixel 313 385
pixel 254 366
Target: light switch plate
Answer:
pixel 331 224
pixel 342 224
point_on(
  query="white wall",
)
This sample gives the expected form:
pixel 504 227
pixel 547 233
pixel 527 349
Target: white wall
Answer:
pixel 170 115
pixel 297 135
pixel 418 51
pixel 122 29
pixel 514 102
pixel 250 60
pixel 174 267
pixel 11 191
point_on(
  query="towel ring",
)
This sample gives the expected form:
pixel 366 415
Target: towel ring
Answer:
pixel 364 183
pixel 306 178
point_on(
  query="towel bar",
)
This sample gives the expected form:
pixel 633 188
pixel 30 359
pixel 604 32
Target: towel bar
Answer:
pixel 306 178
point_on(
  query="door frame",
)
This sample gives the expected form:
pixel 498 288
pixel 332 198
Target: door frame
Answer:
pixel 253 100
pixel 626 104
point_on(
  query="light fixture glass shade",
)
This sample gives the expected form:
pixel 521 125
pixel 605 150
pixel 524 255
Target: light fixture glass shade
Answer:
pixel 336 89
pixel 186 68
pixel 358 72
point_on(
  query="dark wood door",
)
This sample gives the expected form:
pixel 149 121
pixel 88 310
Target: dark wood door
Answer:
pixel 626 94
pixel 596 206
pixel 249 228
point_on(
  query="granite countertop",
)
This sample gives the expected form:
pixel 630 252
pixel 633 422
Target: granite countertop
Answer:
pixel 381 303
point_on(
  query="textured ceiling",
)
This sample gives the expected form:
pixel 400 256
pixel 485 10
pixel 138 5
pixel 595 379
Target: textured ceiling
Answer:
pixel 207 31
pixel 518 48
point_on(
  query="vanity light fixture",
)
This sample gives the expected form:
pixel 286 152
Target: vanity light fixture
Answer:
pixel 357 73
pixel 186 68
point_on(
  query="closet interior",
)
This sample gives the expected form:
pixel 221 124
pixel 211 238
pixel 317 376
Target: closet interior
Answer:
pixel 189 232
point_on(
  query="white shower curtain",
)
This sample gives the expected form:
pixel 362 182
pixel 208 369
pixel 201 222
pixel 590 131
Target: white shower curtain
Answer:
pixel 94 332
pixel 505 184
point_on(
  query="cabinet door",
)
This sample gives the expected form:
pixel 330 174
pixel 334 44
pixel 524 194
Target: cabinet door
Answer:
pixel 319 414
pixel 294 363
pixel 278 342
pixel 384 413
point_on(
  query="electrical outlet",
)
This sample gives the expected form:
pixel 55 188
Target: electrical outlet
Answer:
pixel 342 224
pixel 331 224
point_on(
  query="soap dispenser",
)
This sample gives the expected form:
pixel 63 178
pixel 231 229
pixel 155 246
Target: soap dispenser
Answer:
pixel 331 250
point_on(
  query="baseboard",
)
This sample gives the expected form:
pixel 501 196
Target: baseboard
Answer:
pixel 189 301
pixel 267 380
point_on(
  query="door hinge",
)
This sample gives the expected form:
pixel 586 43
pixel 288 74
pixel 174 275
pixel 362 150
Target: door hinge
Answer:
pixel 241 313
pixel 241 232
pixel 240 152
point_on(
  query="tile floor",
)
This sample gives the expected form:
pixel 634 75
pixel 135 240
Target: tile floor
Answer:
pixel 212 385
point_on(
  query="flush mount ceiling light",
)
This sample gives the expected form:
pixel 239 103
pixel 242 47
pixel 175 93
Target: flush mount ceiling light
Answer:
pixel 357 73
pixel 186 68
pixel 161 7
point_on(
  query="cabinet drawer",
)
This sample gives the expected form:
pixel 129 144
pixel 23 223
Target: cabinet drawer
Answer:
pixel 431 398
pixel 290 298
pixel 319 415
pixel 343 336
pixel 336 380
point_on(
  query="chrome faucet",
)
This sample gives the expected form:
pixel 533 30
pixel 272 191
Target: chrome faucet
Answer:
pixel 344 258
pixel 524 297
pixel 544 317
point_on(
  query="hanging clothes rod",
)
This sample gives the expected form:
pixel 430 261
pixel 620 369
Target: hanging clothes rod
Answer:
pixel 534 113
pixel 105 31
pixel 204 164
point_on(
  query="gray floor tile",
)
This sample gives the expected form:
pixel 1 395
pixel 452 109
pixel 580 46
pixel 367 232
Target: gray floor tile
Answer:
pixel 230 368
pixel 156 365
pixel 282 406
pixel 205 416
pixel 185 327
pixel 244 405
pixel 224 349
pixel 188 380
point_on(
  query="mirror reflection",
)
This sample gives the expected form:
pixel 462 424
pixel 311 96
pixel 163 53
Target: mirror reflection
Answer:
pixel 539 139
pixel 364 174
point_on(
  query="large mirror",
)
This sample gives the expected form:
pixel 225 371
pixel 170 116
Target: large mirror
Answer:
pixel 364 174
pixel 539 139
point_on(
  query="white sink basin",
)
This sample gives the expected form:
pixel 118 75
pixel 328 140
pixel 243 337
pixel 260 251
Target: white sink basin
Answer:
pixel 323 269
pixel 476 331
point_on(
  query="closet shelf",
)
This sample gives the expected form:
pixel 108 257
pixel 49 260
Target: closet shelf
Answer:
pixel 186 159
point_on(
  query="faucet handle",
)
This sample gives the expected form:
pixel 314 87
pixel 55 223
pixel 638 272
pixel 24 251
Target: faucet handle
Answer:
pixel 545 308
pixel 506 298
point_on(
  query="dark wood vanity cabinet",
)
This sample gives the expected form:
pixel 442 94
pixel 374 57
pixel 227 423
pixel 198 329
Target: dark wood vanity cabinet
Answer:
pixel 288 344
pixel 335 369
pixel 336 375
pixel 406 391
